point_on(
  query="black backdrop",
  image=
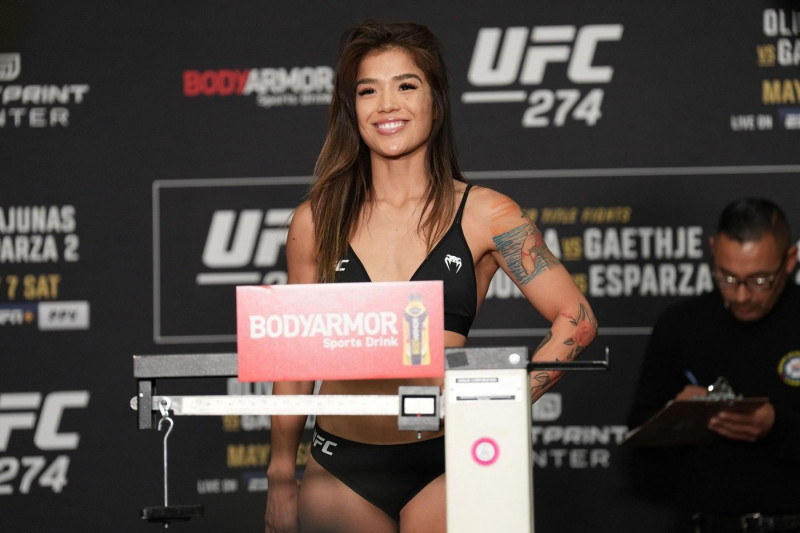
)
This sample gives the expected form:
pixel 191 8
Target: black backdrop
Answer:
pixel 128 130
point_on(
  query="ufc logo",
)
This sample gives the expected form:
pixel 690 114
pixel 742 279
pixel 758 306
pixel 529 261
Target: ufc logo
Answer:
pixel 499 60
pixel 326 444
pixel 20 411
pixel 256 238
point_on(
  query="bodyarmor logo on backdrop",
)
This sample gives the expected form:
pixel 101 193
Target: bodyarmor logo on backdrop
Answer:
pixel 272 87
pixel 39 105
pixel 504 62
pixel 24 415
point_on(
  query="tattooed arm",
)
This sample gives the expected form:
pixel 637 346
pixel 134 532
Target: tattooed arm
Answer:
pixel 519 249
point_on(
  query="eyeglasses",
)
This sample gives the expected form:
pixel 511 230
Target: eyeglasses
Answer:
pixel 758 282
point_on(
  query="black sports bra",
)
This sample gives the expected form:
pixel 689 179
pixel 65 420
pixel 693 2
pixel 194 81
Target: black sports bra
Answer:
pixel 449 261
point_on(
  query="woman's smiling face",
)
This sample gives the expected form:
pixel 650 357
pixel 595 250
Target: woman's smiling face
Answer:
pixel 394 104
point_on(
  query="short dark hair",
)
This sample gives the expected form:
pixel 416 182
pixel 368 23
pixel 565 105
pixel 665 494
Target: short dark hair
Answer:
pixel 749 219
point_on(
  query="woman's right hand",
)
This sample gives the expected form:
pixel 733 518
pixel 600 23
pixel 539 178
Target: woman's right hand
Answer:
pixel 281 513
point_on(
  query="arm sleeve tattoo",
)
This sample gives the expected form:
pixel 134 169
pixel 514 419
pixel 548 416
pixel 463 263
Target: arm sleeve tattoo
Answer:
pixel 524 251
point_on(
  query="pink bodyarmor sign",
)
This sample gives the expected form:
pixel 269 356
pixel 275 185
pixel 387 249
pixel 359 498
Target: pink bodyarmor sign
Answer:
pixel 340 331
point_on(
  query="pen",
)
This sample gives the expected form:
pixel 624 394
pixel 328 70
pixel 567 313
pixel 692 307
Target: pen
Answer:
pixel 690 377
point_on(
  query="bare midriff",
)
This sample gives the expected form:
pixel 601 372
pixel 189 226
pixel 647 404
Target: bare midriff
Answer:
pixel 378 429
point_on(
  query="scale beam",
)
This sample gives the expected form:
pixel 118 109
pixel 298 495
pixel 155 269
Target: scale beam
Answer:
pixel 217 405
pixel 148 368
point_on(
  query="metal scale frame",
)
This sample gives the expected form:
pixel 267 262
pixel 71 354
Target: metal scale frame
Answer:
pixel 485 398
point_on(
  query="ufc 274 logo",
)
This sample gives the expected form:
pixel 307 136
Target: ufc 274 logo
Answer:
pixel 252 239
pixel 23 412
pixel 519 56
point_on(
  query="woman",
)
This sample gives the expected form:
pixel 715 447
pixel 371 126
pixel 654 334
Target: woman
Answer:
pixel 390 200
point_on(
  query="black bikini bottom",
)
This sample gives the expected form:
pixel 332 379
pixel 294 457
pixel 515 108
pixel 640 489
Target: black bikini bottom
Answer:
pixel 386 475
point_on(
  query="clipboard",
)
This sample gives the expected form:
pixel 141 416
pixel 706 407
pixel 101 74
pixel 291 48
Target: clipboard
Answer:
pixel 682 422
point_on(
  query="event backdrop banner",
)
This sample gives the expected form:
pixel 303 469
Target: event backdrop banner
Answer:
pixel 153 153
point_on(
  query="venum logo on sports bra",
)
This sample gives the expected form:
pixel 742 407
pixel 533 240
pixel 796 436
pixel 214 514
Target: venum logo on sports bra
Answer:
pixel 452 261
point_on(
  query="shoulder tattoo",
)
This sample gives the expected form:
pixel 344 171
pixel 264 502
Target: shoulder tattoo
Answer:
pixel 524 251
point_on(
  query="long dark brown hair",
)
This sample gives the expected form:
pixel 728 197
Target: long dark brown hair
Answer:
pixel 343 172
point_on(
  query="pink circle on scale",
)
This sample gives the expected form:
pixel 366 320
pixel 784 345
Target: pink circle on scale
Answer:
pixel 485 451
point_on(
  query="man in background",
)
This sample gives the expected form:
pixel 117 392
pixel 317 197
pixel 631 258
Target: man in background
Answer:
pixel 748 331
